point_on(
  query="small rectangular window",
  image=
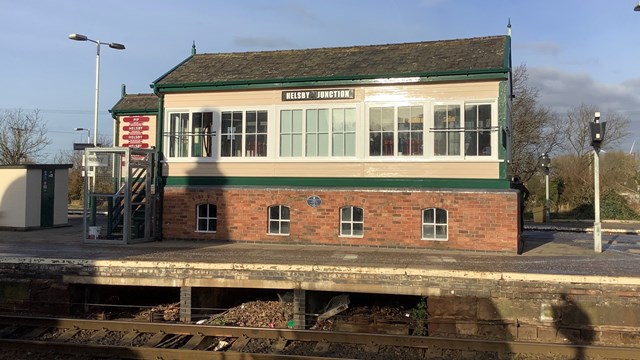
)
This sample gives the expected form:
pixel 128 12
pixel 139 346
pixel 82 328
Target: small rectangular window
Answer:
pixel 435 224
pixel 351 221
pixel 206 218
pixel 279 220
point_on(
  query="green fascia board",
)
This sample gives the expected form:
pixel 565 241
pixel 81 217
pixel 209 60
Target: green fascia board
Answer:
pixel 495 184
pixel 134 112
pixel 336 81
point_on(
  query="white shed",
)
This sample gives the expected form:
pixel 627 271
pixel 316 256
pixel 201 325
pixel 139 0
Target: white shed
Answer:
pixel 34 196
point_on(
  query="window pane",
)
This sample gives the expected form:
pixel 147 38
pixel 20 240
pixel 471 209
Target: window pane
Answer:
pixel 350 144
pixel 323 120
pixel 274 213
pixel 428 232
pixel 428 216
pixel 484 116
pixel 296 145
pixel 404 144
pixel 251 145
pixel 350 119
pixel 454 143
pixel 338 120
pixel 284 227
pixel 470 117
pixel 312 145
pixel 312 121
pixel 375 119
pixel 251 125
pixel 440 143
pixel 285 121
pixel 212 210
pixel 284 213
pixel 202 225
pixel 358 229
pixel 346 213
pixel 358 214
pixel 441 232
pixel 274 227
pixel 439 116
pixel 296 121
pixel 375 144
pixel 261 145
pixel 212 225
pixel 416 143
pixel 202 211
pixel 417 118
pixel 387 143
pixel 404 118
pixel 441 216
pixel 484 143
pixel 387 119
pixel 345 229
pixel 285 145
pixel 323 145
pixel 338 145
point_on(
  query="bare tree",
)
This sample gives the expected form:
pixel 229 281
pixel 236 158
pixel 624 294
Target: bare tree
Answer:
pixel 535 128
pixel 577 133
pixel 23 136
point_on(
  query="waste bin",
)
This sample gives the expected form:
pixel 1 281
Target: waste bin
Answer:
pixel 538 214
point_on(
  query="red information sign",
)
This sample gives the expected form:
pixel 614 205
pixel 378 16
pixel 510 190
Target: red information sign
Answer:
pixel 135 131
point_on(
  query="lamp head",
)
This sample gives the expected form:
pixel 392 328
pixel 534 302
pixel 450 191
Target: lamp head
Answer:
pixel 78 37
pixel 637 8
pixel 116 46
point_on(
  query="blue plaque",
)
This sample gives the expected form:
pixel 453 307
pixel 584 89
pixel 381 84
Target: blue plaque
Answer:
pixel 314 201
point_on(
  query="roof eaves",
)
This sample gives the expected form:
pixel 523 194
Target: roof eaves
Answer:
pixel 153 84
pixel 340 80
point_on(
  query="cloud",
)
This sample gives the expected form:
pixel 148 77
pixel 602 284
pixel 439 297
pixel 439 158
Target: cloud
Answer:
pixel 564 90
pixel 561 91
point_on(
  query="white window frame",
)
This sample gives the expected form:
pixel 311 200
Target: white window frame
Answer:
pixel 208 217
pixel 279 220
pixel 358 154
pixel 190 135
pixel 427 114
pixel 494 134
pixel 434 225
pixel 351 222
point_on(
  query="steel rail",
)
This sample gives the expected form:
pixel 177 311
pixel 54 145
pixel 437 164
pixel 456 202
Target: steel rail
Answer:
pixel 420 342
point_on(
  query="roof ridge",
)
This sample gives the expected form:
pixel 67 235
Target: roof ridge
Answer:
pixel 332 48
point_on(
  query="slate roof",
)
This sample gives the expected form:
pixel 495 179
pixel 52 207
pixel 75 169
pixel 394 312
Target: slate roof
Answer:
pixel 473 55
pixel 143 103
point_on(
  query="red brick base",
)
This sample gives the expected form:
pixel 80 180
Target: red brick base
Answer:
pixel 478 220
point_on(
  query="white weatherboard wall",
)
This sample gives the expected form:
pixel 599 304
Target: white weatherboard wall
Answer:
pixel 21 195
pixel 13 197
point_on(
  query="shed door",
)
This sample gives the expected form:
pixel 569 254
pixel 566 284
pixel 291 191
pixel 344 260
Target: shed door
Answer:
pixel 47 198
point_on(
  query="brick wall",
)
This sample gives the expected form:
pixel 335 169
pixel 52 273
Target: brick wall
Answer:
pixel 478 220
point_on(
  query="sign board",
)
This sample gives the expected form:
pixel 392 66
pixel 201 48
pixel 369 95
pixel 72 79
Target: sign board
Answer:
pixel 327 94
pixel 137 132
pixel 95 160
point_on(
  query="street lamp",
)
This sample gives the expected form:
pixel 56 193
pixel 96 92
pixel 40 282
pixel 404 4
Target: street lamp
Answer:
pixel 545 162
pixel 637 8
pixel 597 136
pixel 88 133
pixel 116 46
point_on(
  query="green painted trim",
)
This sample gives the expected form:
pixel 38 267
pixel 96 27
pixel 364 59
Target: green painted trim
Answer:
pixel 160 128
pixel 489 74
pixel 134 112
pixel 153 84
pixel 338 182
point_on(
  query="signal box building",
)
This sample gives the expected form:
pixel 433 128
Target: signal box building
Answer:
pixel 399 145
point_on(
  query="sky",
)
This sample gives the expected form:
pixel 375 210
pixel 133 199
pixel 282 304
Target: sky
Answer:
pixel 576 51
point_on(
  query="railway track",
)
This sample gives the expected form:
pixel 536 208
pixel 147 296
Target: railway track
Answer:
pixel 141 340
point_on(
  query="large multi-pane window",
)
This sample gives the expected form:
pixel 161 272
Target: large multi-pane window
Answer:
pixel 343 128
pixel 279 220
pixel 318 132
pixel 396 131
pixel 477 130
pixel 190 134
pixel 434 224
pixel 351 221
pixel 446 128
pixel 410 130
pixel 206 218
pixel 231 134
pixel 256 134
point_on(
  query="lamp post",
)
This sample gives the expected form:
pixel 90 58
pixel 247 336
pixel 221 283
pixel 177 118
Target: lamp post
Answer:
pixel 597 136
pixel 88 133
pixel 545 162
pixel 112 45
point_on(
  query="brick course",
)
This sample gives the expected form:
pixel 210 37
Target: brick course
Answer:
pixel 478 220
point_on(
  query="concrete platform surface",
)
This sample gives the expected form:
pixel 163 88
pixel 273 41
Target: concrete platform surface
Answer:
pixel 547 253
